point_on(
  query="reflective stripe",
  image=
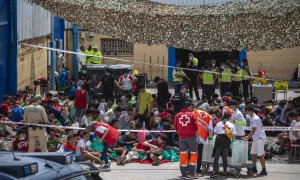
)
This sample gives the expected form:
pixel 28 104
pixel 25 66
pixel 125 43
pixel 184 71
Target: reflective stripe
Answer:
pixel 193 152
pixel 203 124
pixel 192 164
pixel 178 72
pixel 183 165
pixel 183 152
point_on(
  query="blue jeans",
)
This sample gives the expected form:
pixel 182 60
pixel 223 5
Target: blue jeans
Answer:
pixel 104 156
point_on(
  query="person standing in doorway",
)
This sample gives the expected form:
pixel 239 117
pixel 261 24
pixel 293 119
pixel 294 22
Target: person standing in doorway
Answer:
pixel 225 79
pixel 178 76
pixel 208 81
pixel 193 74
pixel 236 79
pixel 246 79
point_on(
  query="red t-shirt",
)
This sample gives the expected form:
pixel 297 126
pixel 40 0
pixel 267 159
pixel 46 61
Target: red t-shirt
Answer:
pixel 5 109
pixel 141 146
pixel 185 124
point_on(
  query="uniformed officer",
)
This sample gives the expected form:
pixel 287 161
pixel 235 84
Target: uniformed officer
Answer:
pixel 246 79
pixel 193 60
pixel 97 59
pixel 35 113
pixel 237 79
pixel 178 76
pixel 88 53
pixel 225 79
pixel 108 83
pixel 208 81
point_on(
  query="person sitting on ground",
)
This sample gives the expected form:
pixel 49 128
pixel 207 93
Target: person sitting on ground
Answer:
pixel 68 146
pixel 125 118
pixel 156 148
pixel 53 142
pixel 83 151
pixel 296 134
pixel 113 114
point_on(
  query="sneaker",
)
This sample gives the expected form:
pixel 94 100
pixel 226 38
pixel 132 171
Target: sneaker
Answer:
pixel 106 168
pixel 213 175
pixel 263 173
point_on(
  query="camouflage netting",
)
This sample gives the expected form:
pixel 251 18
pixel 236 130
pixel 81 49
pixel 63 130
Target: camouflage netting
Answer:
pixel 248 24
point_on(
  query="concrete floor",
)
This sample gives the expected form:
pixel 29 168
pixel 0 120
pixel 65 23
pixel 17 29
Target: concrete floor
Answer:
pixel 170 171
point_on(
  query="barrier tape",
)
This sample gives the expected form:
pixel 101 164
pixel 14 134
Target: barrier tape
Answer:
pixel 266 128
pixel 138 62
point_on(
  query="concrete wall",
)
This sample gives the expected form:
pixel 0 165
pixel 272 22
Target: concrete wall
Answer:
pixel 280 64
pixel 142 53
pixel 32 63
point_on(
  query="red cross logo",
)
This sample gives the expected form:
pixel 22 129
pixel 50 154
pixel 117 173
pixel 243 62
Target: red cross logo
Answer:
pixel 184 120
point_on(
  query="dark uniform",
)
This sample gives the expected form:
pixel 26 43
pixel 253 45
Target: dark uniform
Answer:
pixel 108 84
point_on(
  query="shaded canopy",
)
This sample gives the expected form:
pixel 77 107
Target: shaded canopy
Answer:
pixel 248 24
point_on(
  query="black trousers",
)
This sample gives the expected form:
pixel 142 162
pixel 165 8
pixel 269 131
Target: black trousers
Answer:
pixel 235 88
pixel 199 161
pixel 221 152
pixel 193 84
pixel 209 90
pixel 246 88
pixel 225 87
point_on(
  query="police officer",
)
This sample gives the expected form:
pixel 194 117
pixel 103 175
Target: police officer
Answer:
pixel 193 75
pixel 178 76
pixel 97 59
pixel 35 113
pixel 193 60
pixel 237 79
pixel 179 98
pixel 82 75
pixel 88 53
pixel 208 81
pixel 225 79
pixel 108 82
pixel 246 79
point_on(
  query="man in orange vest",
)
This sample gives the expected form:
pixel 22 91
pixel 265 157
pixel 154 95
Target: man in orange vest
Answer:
pixel 205 128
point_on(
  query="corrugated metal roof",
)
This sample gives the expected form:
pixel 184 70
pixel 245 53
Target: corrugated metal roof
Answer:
pixel 33 21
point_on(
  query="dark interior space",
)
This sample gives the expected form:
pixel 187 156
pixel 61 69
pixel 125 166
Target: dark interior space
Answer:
pixel 202 56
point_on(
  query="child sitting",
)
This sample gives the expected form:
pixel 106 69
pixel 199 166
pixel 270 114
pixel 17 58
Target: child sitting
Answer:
pixel 156 148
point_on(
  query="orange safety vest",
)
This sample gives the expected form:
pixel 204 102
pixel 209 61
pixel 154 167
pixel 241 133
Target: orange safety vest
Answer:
pixel 112 135
pixel 202 119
